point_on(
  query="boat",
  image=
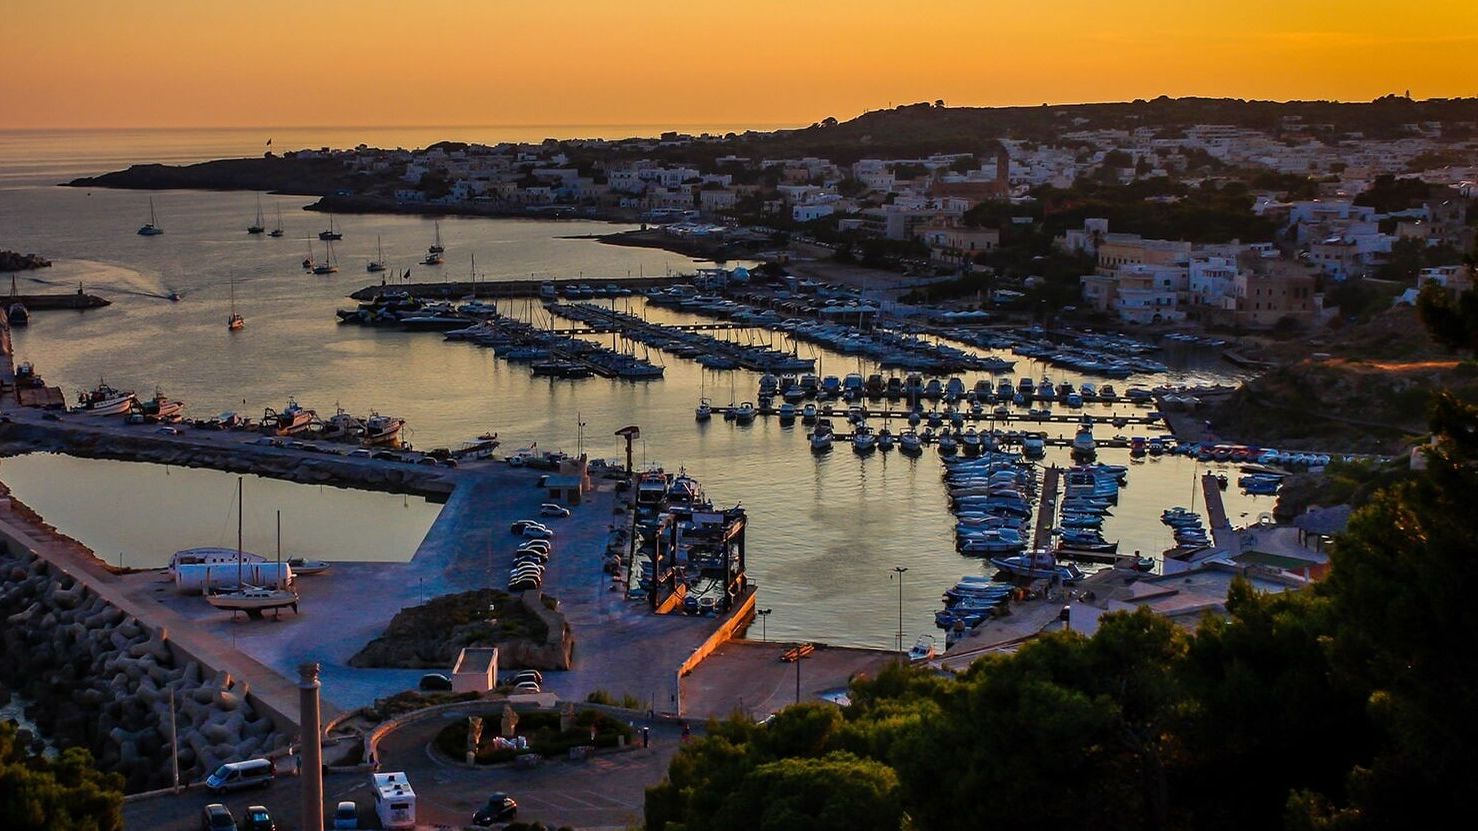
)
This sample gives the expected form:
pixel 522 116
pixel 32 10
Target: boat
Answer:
pixel 378 263
pixel 332 233
pixel 1037 565
pixel 159 408
pixel 151 228
pixel 947 444
pixel 235 321
pixel 808 414
pixel 18 313
pixel 704 412
pixel 885 439
pixel 104 400
pixel 923 649
pixel 787 412
pixel 436 246
pixel 330 265
pixel 307 568
pixel 744 413
pixel 1084 448
pixel 253 599
pixel 293 419
pixel 257 227
pixel 863 439
pixel 382 430
pixel 277 231
pixel 909 443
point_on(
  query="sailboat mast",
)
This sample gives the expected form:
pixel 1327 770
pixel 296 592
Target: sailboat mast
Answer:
pixel 239 567
pixel 279 549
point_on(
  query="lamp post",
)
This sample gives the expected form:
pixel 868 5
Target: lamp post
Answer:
pixel 799 656
pixel 764 615
pixel 899 570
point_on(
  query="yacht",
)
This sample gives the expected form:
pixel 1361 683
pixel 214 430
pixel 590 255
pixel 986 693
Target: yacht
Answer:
pixel 332 233
pixel 704 411
pixel 257 227
pixel 436 247
pixel 378 263
pixel 151 228
pixel 330 265
pixel 235 322
pixel 104 400
pixel 863 439
pixel 277 231
pixel 1084 448
pixel 820 441
pixel 808 414
pixel 744 414
pixel 787 412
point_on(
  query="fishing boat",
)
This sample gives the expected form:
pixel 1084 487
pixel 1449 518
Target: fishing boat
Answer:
pixel 378 263
pixel 293 419
pixel 235 322
pixel 277 231
pixel 257 227
pixel 307 568
pixel 104 400
pixel 381 430
pixel 159 408
pixel 151 228
pixel 253 599
pixel 332 233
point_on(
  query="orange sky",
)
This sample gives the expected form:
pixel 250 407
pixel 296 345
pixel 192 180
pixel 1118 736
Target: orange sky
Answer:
pixel 178 63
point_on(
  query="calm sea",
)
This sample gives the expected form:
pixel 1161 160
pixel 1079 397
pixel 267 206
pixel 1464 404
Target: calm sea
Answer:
pixel 825 533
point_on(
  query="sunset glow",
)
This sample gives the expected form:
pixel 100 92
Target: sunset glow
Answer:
pixel 172 63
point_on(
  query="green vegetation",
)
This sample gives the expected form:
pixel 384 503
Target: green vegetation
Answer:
pixel 67 794
pixel 401 703
pixel 627 701
pixel 1349 705
pixel 431 635
pixel 543 734
pixel 1453 323
pixel 1388 194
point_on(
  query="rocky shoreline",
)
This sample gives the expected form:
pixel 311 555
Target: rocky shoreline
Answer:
pixel 98 678
pixel 16 261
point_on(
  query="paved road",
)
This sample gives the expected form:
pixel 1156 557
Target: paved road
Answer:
pixel 606 791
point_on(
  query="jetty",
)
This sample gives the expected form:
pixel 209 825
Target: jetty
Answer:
pixel 1047 509
pixel 74 301
pixel 983 416
pixel 503 288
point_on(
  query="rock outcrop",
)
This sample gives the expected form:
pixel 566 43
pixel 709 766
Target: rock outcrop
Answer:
pixel 100 679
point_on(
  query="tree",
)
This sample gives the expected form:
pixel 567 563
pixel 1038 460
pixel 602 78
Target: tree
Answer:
pixel 1452 323
pixel 68 794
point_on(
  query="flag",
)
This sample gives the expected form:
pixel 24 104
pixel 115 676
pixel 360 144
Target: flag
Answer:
pixel 269 142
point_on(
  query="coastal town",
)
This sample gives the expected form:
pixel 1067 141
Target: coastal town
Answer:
pixel 881 473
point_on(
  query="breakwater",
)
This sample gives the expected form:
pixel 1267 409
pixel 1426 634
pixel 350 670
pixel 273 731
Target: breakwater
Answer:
pixel 211 449
pixel 99 678
pixel 503 288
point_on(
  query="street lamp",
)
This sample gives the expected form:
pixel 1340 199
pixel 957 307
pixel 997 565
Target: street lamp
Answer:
pixel 899 570
pixel 764 615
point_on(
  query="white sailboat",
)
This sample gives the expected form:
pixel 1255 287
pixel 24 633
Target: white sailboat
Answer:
pixel 151 228
pixel 277 232
pixel 257 227
pixel 253 599
pixel 378 263
pixel 330 263
pixel 435 251
pixel 235 321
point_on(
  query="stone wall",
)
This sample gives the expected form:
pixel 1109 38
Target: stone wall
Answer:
pixel 100 679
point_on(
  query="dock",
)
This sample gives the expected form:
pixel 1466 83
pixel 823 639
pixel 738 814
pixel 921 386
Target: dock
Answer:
pixel 1047 509
pixel 984 415
pixel 503 288
pixel 76 301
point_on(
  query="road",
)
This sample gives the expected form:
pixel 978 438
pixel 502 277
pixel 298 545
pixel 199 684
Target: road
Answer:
pixel 607 791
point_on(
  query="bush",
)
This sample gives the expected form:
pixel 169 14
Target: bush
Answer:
pixel 541 728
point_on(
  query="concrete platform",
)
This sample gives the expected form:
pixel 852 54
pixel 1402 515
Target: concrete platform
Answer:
pixel 748 677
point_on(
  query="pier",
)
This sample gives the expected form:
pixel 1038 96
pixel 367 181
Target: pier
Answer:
pixel 1216 513
pixel 987 416
pixel 503 288
pixel 1047 509
pixel 77 301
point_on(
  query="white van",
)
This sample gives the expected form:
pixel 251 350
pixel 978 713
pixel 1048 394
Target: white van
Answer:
pixel 237 775
pixel 395 802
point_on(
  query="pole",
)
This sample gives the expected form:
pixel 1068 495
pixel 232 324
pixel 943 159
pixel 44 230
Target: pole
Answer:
pixel 174 743
pixel 311 765
pixel 798 658
pixel 899 570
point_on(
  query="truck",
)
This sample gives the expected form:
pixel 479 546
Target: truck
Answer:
pixel 395 800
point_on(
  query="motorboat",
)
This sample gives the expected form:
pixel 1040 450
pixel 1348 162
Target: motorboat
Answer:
pixel 808 414
pixel 923 649
pixel 1038 565
pixel 910 443
pixel 885 439
pixel 104 400
pixel 820 441
pixel 787 412
pixel 1084 448
pixel 863 439
pixel 947 445
pixel 744 413
pixel 308 568
pixel 704 411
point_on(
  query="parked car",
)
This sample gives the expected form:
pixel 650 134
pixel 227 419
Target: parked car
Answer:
pixel 542 546
pixel 500 807
pixel 520 524
pixel 434 681
pixel 552 510
pixel 257 818
pixel 217 817
pixel 387 456
pixel 528 675
pixel 167 430
pixel 361 453
pixel 537 532
pixel 526 687
pixel 234 776
pixel 346 817
pixel 523 584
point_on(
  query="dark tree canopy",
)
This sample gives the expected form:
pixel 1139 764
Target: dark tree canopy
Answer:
pixel 68 794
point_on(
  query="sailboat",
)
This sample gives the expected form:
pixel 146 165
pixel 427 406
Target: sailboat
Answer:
pixel 277 232
pixel 330 263
pixel 252 599
pixel 378 263
pixel 235 321
pixel 17 311
pixel 331 233
pixel 434 253
pixel 151 228
pixel 257 227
